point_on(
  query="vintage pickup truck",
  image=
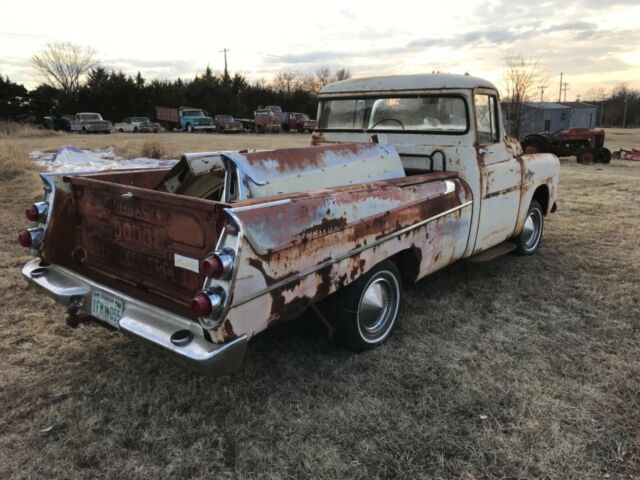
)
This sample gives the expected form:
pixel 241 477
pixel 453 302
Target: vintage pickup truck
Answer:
pixel 90 123
pixel 184 118
pixel 408 174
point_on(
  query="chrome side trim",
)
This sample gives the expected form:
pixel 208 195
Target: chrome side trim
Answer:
pixel 355 251
pixel 275 203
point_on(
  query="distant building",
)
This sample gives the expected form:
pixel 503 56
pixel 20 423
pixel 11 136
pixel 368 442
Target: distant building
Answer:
pixel 553 116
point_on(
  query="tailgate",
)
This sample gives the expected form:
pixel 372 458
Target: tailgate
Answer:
pixel 152 240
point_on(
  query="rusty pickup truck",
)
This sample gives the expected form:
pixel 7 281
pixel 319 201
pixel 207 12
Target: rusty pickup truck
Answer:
pixel 407 174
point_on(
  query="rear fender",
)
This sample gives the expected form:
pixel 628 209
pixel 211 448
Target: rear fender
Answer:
pixel 298 251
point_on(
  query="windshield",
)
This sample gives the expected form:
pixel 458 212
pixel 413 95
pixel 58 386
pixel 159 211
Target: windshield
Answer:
pixel 441 114
pixel 224 118
pixel 89 116
pixel 140 120
pixel 301 116
pixel 192 113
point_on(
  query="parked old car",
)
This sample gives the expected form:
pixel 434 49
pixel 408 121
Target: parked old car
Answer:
pixel 301 123
pixel 408 174
pixel 184 118
pixel 227 124
pixel 90 123
pixel 137 124
pixel 265 121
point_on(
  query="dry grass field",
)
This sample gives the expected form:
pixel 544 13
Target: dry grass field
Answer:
pixel 519 368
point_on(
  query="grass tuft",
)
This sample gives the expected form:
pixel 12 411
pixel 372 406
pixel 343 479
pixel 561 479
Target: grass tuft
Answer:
pixel 153 150
pixel 16 129
pixel 14 161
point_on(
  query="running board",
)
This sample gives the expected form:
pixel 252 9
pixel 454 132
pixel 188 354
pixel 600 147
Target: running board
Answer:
pixel 493 252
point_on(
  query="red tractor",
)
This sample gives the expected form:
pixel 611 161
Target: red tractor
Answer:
pixel 586 144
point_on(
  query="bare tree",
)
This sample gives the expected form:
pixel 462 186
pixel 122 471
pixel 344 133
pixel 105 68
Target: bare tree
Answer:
pixel 342 74
pixel 522 77
pixel 308 83
pixel 285 81
pixel 63 65
pixel 323 75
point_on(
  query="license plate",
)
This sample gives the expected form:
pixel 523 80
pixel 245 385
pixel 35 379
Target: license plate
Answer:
pixel 106 307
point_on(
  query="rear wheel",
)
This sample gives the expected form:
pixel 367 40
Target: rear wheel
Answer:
pixel 530 237
pixel 587 156
pixel 367 310
pixel 605 155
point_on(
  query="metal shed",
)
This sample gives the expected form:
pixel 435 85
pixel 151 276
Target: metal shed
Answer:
pixel 553 116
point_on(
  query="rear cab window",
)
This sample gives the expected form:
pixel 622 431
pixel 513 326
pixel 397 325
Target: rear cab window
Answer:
pixel 486 109
pixel 445 114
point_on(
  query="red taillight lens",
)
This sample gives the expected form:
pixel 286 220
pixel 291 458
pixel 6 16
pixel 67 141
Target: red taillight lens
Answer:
pixel 24 238
pixel 212 266
pixel 201 305
pixel 32 213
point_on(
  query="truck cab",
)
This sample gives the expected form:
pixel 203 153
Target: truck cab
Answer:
pixel 444 122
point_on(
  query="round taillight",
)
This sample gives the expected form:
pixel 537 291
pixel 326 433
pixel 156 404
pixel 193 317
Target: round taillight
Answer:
pixel 24 238
pixel 212 266
pixel 201 305
pixel 32 213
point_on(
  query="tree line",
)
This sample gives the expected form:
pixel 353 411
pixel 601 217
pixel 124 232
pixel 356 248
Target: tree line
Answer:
pixel 73 81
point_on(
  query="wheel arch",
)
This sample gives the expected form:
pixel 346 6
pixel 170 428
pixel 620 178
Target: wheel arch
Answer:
pixel 408 262
pixel 541 195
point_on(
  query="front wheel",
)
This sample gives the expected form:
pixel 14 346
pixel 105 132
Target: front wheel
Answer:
pixel 367 310
pixel 189 128
pixel 530 237
pixel 605 155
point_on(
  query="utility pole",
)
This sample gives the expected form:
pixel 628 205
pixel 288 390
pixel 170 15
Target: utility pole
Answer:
pixel 565 91
pixel 226 72
pixel 560 92
pixel 624 116
pixel 602 111
pixel 541 93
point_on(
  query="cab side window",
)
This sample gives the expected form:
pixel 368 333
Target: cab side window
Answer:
pixel 487 119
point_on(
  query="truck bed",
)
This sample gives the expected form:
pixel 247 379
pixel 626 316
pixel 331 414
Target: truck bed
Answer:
pixel 148 243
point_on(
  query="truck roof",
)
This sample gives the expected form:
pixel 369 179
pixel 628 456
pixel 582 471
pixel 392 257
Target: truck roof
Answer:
pixel 428 81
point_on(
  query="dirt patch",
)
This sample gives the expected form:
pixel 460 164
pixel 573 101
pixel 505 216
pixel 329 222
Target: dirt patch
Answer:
pixel 518 368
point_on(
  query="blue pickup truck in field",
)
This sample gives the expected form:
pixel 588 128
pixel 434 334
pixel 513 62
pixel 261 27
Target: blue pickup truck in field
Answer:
pixel 184 118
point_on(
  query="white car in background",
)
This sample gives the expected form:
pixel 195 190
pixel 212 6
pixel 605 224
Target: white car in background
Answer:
pixel 137 124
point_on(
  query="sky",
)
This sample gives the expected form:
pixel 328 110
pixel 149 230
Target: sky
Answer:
pixel 595 43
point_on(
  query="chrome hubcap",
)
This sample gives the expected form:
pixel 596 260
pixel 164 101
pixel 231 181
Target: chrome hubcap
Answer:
pixel 531 230
pixel 378 308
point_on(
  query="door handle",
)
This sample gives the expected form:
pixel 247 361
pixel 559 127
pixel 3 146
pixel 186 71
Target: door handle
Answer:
pixel 482 151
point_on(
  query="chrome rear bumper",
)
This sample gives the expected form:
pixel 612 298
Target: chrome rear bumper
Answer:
pixel 140 319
